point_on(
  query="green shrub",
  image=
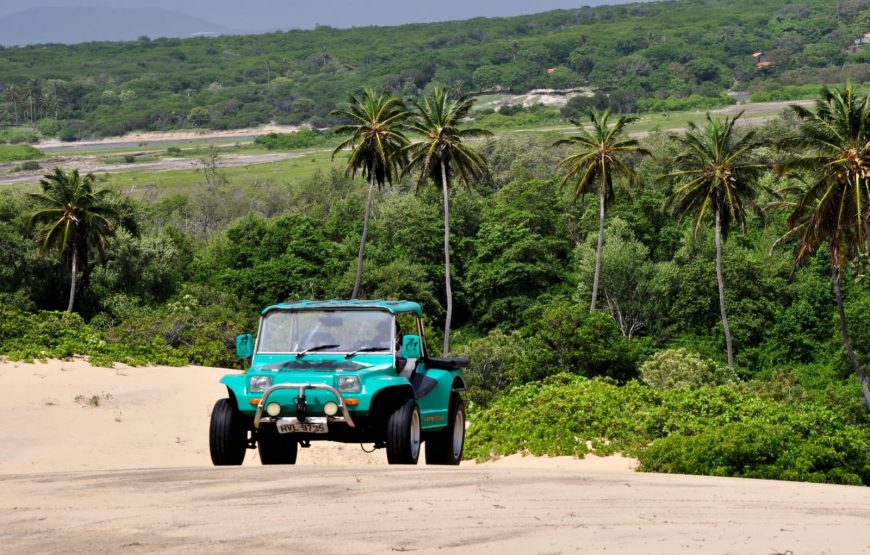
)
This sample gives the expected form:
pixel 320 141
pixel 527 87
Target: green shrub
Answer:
pixel 510 109
pixel 197 328
pixel 680 104
pixel 48 127
pixel 777 92
pixel 304 138
pixel 711 430
pixel 30 165
pixel 15 136
pixel 823 383
pixel 49 334
pixel 526 118
pixel 187 331
pixel 809 446
pixel 559 415
pixel 566 337
pixel 674 368
pixel 495 361
pixel 131 158
pixel 15 153
pixel 44 335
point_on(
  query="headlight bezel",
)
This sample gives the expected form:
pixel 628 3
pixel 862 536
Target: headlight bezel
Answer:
pixel 259 384
pixel 349 384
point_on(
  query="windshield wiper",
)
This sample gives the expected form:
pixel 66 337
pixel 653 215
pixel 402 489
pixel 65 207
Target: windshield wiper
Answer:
pixel 366 350
pixel 318 348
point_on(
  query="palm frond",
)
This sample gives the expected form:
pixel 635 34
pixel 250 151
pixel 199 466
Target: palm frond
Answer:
pixel 71 215
pixel 437 119
pixel 834 208
pixel 596 161
pixel 714 174
pixel 376 136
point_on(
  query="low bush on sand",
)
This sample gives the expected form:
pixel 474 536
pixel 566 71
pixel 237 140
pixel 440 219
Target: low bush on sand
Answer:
pixel 722 431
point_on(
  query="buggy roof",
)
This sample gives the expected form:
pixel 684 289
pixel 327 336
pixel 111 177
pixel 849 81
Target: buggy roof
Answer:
pixel 392 306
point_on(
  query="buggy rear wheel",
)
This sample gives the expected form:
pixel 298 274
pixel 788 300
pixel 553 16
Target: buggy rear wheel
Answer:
pixel 446 446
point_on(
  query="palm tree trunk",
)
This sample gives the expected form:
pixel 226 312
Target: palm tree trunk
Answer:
pixel 365 235
pixel 601 214
pixel 72 287
pixel 722 291
pixel 863 376
pixel 447 285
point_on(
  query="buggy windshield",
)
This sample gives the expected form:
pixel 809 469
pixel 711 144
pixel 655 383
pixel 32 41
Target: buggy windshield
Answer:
pixel 326 331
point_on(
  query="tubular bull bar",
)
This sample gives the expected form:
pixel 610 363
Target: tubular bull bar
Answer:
pixel 302 387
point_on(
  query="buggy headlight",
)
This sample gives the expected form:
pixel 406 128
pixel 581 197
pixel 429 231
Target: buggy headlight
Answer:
pixel 259 384
pixel 349 384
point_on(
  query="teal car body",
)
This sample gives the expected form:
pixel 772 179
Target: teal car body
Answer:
pixel 347 385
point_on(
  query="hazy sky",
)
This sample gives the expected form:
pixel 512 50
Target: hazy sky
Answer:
pixel 268 15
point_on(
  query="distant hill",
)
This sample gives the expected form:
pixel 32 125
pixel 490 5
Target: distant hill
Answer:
pixel 75 25
pixel 640 57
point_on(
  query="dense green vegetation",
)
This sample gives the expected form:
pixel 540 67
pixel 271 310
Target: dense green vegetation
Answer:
pixel 15 153
pixel 774 392
pixel 681 54
pixel 304 138
pixel 718 431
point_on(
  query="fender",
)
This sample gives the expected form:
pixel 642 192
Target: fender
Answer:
pixel 434 398
pixel 237 389
pixel 237 385
pixel 375 387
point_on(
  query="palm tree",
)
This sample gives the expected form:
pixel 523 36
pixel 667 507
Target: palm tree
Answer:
pixel 600 158
pixel 376 146
pixel 13 97
pixel 715 177
pixel 33 96
pixel 72 217
pixel 51 97
pixel 441 155
pixel 833 209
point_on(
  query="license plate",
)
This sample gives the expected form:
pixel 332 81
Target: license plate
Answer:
pixel 312 425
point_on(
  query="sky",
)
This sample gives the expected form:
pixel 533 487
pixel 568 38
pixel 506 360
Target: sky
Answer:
pixel 271 15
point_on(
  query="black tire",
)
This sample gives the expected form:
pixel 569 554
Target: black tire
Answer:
pixel 275 449
pixel 446 446
pixel 404 434
pixel 228 434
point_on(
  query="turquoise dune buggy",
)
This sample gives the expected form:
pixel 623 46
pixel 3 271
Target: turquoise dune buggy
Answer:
pixel 346 371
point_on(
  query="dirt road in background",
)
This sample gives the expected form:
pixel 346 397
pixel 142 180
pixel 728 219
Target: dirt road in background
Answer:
pixel 95 164
pixel 755 114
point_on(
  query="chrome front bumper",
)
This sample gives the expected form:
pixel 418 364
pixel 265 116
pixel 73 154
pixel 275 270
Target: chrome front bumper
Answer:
pixel 345 416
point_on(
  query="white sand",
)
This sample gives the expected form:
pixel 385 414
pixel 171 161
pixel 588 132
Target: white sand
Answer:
pixel 180 136
pixel 148 417
pixel 133 475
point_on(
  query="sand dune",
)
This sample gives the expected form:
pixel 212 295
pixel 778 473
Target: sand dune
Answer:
pixel 69 415
pixel 96 460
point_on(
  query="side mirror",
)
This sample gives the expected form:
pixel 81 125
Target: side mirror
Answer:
pixel 245 346
pixel 411 347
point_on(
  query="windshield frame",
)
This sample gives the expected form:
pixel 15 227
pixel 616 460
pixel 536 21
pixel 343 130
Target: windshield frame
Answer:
pixel 391 351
